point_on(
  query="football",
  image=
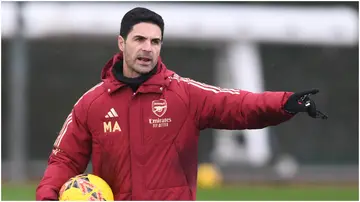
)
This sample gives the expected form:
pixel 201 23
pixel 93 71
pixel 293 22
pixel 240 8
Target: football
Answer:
pixel 86 187
pixel 209 176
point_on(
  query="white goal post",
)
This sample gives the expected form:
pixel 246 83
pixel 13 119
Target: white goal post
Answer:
pixel 318 25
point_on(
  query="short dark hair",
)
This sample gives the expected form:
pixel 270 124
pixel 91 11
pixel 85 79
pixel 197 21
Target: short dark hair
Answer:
pixel 138 15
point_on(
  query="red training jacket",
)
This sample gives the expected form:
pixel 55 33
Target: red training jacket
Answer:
pixel 145 144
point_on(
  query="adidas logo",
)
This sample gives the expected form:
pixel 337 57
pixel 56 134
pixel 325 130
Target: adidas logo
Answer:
pixel 112 125
pixel 111 113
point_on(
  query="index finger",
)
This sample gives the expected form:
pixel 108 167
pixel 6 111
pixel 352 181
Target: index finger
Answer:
pixel 312 92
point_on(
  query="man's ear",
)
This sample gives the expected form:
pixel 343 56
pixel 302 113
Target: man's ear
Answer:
pixel 121 43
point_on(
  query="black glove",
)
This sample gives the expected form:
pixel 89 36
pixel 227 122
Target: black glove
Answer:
pixel 301 102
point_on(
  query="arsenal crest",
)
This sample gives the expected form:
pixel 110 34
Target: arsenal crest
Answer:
pixel 159 107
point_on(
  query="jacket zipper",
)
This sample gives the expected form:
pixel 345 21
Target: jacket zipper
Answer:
pixel 130 145
pixel 142 125
pixel 141 119
pixel 131 148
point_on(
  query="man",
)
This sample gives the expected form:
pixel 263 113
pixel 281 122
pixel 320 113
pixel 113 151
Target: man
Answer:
pixel 141 124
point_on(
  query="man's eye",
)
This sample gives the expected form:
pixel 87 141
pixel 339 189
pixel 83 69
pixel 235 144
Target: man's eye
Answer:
pixel 156 42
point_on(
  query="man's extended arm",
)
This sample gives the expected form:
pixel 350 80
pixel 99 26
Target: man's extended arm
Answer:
pixel 219 108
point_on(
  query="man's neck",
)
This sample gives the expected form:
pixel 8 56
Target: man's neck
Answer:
pixel 129 73
pixel 128 77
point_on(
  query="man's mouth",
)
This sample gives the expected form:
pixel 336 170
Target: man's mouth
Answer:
pixel 144 59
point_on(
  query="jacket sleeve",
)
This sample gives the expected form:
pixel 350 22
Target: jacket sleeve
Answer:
pixel 69 157
pixel 220 108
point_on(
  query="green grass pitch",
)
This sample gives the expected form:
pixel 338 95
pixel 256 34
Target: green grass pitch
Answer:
pixel 338 193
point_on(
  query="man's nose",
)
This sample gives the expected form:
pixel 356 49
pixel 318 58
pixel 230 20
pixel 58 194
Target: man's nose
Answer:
pixel 146 45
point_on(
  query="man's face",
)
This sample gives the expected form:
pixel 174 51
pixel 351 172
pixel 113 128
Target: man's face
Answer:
pixel 141 48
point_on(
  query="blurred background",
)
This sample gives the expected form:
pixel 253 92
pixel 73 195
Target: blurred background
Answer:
pixel 52 52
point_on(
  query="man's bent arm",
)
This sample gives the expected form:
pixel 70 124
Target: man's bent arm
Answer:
pixel 69 157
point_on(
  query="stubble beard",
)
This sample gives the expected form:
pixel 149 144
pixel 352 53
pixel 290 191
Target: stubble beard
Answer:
pixel 135 69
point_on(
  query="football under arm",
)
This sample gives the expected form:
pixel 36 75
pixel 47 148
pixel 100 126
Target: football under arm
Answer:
pixel 220 108
pixel 69 157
